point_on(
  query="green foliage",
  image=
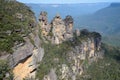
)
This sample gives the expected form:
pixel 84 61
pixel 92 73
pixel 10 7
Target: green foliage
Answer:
pixel 107 68
pixel 5 69
pixel 55 55
pixel 31 40
pixel 113 40
pixel 50 33
pixel 11 26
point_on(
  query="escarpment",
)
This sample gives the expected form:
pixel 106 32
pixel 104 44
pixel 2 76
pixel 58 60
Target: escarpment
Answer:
pixel 47 51
pixel 19 39
pixel 74 52
pixel 26 56
pixel 54 51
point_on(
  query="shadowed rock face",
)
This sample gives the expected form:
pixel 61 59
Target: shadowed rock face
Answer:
pixel 59 30
pixel 68 23
pixel 28 67
pixel 43 17
pixel 44 26
pixel 21 53
pixel 26 57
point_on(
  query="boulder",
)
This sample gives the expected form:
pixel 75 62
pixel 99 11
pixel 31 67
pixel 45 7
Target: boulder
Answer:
pixel 51 76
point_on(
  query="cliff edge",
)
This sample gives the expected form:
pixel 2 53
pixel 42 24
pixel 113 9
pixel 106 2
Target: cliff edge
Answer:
pixel 42 50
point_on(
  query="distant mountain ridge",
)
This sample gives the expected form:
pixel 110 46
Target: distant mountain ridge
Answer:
pixel 74 10
pixel 115 5
pixel 106 20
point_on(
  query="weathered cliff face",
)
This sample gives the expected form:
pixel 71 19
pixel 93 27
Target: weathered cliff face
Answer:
pixel 27 68
pixel 82 55
pixel 78 59
pixel 27 40
pixel 26 56
pixel 58 30
pixel 81 49
pixel 44 26
pixel 85 48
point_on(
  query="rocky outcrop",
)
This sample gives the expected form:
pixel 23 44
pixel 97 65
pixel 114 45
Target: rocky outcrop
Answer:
pixel 69 27
pixel 58 30
pixel 24 61
pixel 28 67
pixel 21 52
pixel 85 48
pixel 81 55
pixel 44 26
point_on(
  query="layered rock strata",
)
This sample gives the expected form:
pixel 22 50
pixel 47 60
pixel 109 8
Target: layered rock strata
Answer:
pixel 58 30
pixel 24 61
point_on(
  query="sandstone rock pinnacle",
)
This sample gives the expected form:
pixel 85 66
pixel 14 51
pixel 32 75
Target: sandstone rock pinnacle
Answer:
pixel 58 30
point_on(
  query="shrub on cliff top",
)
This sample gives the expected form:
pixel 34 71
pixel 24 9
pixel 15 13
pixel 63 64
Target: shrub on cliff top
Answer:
pixel 15 21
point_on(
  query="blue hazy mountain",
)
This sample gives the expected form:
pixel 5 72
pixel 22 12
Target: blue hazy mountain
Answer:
pixel 74 10
pixel 106 20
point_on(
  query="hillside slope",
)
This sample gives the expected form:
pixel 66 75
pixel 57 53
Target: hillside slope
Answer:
pixel 16 21
pixel 106 21
pixel 20 49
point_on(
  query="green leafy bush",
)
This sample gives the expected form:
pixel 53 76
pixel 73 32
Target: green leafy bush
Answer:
pixel 52 52
pixel 107 68
pixel 3 69
pixel 16 20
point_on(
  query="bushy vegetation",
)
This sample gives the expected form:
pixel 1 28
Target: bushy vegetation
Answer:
pixel 16 20
pixel 55 55
pixel 107 68
pixel 113 40
pixel 4 70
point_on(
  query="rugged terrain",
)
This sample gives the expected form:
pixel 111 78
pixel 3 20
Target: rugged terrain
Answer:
pixel 41 50
pixel 66 51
